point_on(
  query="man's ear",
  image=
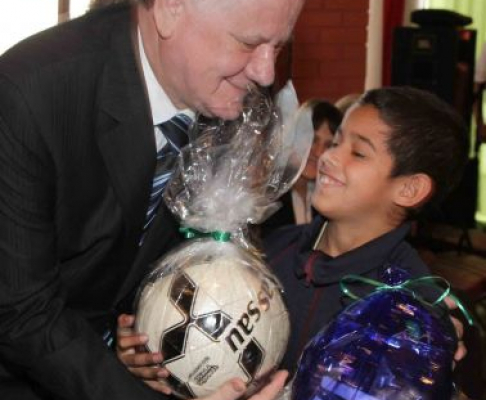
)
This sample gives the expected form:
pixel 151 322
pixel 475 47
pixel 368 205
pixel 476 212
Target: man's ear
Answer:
pixel 166 14
pixel 414 190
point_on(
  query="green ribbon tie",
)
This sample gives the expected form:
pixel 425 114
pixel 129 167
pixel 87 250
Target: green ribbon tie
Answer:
pixel 408 285
pixel 219 236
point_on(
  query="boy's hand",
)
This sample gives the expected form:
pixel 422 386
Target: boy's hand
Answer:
pixel 461 350
pixel 144 365
pixel 234 388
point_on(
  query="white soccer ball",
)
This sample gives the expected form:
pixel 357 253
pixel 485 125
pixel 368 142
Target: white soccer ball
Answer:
pixel 214 320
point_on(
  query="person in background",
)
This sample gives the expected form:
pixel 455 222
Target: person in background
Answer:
pixel 86 109
pixel 296 205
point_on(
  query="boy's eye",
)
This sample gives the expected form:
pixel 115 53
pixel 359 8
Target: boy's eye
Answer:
pixel 358 154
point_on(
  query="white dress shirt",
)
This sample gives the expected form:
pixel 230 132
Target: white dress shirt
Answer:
pixel 160 105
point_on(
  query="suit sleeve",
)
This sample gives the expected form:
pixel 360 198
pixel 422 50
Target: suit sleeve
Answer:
pixel 42 340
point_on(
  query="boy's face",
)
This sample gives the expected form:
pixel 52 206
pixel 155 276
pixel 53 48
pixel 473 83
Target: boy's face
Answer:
pixel 353 180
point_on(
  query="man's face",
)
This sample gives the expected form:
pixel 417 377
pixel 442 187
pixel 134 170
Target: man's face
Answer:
pixel 219 48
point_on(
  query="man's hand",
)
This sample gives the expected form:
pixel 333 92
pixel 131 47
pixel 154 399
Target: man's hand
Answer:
pixel 234 388
pixel 141 364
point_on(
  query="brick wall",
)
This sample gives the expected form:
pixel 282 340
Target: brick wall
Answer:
pixel 328 52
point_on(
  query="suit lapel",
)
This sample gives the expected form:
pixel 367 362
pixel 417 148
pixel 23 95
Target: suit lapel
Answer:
pixel 124 129
pixel 125 136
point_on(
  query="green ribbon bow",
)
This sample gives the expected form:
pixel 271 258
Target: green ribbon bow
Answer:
pixel 219 236
pixel 408 285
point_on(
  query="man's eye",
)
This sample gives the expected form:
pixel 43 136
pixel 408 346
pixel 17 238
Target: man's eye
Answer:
pixel 249 46
pixel 358 154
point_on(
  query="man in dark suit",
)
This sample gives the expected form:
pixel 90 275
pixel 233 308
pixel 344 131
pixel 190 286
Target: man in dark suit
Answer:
pixel 78 106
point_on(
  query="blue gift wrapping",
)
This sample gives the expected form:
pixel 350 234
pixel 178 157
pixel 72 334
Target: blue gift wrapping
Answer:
pixel 390 345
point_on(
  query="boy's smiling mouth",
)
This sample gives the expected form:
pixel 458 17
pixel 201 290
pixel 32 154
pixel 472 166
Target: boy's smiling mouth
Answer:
pixel 327 180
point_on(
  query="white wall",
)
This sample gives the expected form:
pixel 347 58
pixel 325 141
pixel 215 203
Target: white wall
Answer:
pixel 22 18
pixel 374 45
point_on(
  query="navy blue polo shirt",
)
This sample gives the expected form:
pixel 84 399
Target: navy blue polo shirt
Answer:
pixel 311 278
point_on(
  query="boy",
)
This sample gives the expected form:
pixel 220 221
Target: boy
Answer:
pixel 397 149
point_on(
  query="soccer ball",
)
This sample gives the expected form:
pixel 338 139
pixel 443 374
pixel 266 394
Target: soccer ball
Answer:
pixel 214 319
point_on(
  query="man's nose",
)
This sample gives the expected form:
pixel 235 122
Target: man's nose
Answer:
pixel 261 67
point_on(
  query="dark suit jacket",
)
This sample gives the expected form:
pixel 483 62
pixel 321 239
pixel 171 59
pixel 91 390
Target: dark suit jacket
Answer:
pixel 77 157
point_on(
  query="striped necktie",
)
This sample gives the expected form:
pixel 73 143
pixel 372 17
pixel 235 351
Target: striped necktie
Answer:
pixel 175 132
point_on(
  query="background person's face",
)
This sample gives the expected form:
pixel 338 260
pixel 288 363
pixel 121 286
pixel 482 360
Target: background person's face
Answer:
pixel 225 46
pixel 322 141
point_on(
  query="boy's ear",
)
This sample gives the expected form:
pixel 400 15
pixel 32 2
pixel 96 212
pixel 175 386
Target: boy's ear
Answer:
pixel 166 14
pixel 414 190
